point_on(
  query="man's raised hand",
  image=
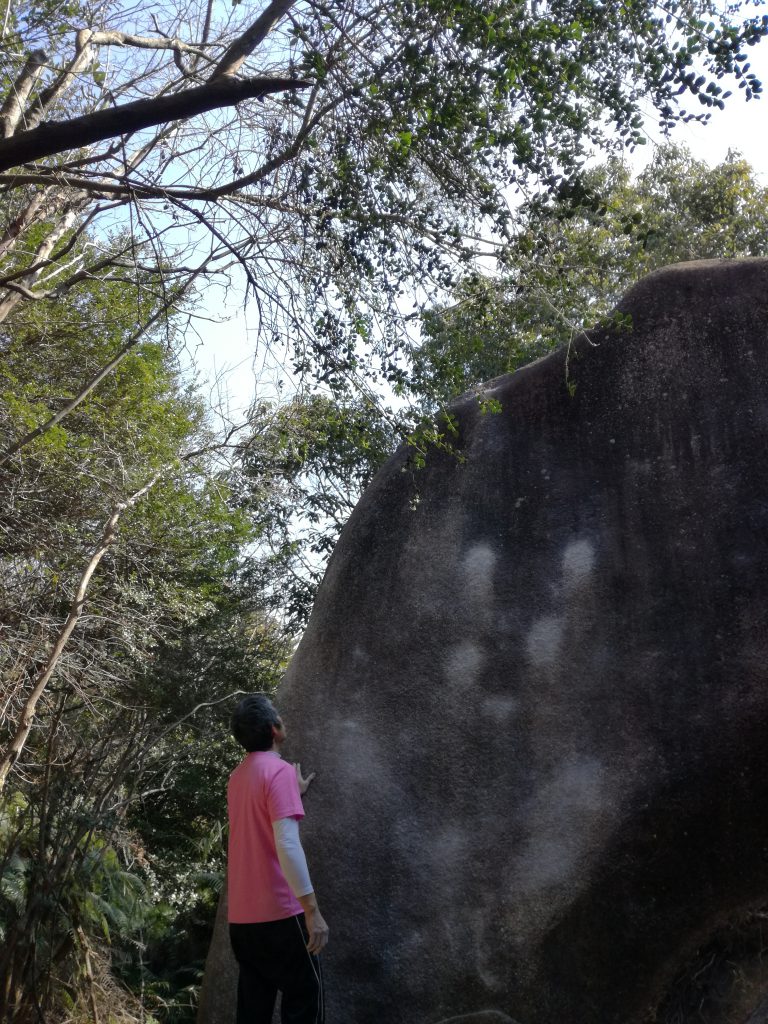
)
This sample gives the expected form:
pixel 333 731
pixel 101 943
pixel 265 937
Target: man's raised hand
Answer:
pixel 304 784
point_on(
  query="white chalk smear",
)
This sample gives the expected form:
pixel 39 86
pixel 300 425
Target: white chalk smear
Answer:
pixel 462 664
pixel 543 641
pixel 578 562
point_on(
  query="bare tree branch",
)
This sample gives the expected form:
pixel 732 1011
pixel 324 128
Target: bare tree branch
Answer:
pixel 23 220
pixel 58 136
pixel 19 289
pixel 18 94
pixel 68 216
pixel 114 38
pixel 207 25
pixel 40 107
pixel 43 263
pixel 242 47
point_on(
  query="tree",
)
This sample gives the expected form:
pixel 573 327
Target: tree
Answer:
pixel 299 476
pixel 573 257
pixel 122 626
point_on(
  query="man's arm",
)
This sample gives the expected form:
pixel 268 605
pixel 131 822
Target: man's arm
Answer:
pixel 293 863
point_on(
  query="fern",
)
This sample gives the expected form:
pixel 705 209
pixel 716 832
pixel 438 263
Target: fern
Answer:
pixel 13 882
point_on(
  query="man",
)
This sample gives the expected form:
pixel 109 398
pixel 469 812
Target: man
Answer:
pixel 276 928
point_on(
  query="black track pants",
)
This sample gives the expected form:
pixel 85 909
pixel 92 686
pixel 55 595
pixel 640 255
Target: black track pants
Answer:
pixel 273 958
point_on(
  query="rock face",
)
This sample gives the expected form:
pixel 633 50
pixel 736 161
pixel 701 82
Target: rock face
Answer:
pixel 535 689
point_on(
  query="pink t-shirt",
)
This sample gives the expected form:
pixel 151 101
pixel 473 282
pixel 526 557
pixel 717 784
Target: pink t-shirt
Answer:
pixel 262 789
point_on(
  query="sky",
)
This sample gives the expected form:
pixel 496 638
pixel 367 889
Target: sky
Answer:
pixel 225 355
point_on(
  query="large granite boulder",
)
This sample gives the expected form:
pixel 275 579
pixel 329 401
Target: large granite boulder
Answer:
pixel 535 689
